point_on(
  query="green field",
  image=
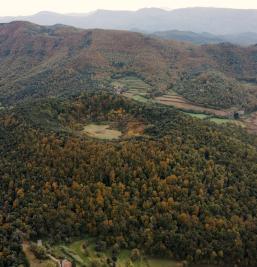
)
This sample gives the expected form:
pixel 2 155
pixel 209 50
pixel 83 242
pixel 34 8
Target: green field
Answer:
pixel 139 98
pixel 101 132
pixel 133 87
pixel 197 115
pixel 221 120
pixel 217 120
pixel 75 252
pixel 133 84
pixel 85 257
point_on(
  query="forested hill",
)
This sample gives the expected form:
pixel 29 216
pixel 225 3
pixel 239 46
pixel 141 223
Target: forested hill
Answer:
pixel 78 158
pixel 181 188
pixel 39 61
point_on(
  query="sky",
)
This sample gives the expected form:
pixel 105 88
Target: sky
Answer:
pixel 28 7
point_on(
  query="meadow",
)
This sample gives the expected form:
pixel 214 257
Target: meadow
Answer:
pixel 101 132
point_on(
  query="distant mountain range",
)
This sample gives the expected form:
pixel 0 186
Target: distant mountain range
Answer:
pixel 217 21
pixel 247 38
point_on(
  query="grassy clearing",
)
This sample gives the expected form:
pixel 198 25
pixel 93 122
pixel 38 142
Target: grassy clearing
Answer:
pixel 250 122
pixel 197 115
pixel 179 102
pixel 101 132
pixel 76 252
pixel 220 120
pixel 217 120
pixel 33 261
pixel 140 98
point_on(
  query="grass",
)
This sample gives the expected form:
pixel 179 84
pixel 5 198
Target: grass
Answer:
pixel 33 261
pixel 135 88
pixel 101 132
pixel 140 98
pixel 217 120
pixel 220 120
pixel 197 115
pixel 77 247
pixel 75 251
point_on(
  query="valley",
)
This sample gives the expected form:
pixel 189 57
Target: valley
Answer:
pixel 120 149
pixel 138 90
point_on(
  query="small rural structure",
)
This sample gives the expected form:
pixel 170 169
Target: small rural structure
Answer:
pixel 238 114
pixel 39 243
pixel 66 263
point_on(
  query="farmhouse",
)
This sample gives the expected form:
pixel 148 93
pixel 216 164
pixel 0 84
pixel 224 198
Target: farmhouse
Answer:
pixel 66 263
pixel 238 114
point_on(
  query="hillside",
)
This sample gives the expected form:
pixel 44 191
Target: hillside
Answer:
pixel 187 36
pixel 39 61
pixel 214 89
pixel 223 21
pixel 91 151
pixel 244 39
pixel 180 188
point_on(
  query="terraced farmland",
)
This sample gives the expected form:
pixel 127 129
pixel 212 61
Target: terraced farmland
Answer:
pixel 138 90
pixel 179 102
pixel 132 87
pixel 251 122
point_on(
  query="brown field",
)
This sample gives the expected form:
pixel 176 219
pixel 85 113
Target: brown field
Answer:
pixel 182 103
pixel 101 132
pixel 251 122
pixel 135 128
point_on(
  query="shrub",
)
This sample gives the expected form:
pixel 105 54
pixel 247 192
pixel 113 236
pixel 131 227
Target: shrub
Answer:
pixel 39 251
pixel 135 254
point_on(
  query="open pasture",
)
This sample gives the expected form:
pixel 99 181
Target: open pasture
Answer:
pixel 101 132
pixel 181 103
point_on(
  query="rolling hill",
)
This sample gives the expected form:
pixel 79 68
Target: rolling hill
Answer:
pixel 187 36
pixel 56 60
pixel 244 39
pixel 122 179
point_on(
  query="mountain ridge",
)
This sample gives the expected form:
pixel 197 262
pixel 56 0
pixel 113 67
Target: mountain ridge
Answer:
pixel 52 60
pixel 214 20
pixel 244 39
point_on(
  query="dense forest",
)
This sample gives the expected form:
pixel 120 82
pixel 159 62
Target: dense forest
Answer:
pixel 184 188
pixel 214 89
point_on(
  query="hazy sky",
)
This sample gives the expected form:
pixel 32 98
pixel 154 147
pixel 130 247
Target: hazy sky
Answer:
pixel 27 7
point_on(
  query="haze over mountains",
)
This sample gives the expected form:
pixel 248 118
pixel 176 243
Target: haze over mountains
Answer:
pixel 245 39
pixel 217 21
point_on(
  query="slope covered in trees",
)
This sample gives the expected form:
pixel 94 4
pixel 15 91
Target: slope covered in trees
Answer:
pixel 215 89
pixel 185 189
pixel 41 61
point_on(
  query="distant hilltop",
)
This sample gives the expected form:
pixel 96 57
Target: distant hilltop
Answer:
pixel 218 21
